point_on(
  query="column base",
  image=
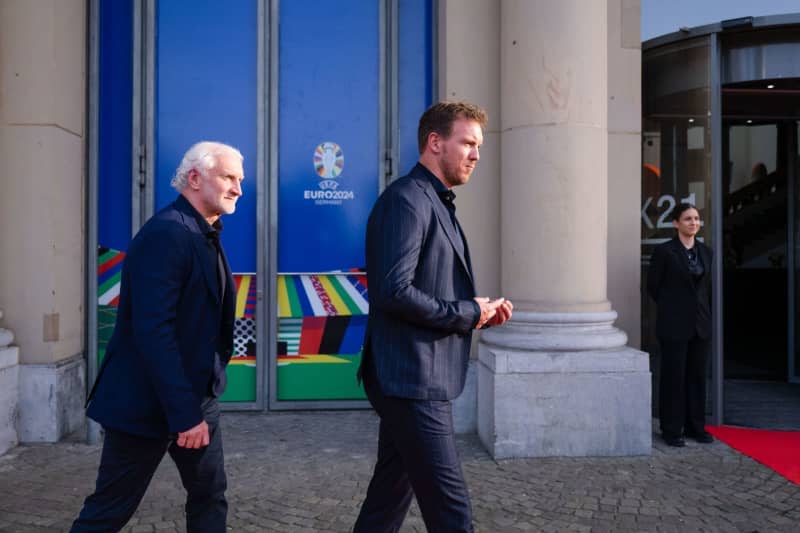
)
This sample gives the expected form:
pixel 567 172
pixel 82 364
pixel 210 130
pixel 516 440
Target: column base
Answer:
pixel 583 396
pixel 51 399
pixel 9 390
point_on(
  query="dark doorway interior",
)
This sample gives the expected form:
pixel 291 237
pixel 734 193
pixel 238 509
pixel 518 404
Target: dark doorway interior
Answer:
pixel 755 251
pixel 760 244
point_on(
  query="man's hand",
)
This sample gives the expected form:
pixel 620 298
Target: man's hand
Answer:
pixel 493 312
pixel 196 437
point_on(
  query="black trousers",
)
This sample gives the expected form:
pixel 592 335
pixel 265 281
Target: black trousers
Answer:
pixel 682 386
pixel 127 465
pixel 416 455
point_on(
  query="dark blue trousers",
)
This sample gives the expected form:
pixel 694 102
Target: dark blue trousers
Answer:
pixel 127 465
pixel 416 455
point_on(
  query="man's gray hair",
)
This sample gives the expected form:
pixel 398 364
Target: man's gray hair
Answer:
pixel 202 157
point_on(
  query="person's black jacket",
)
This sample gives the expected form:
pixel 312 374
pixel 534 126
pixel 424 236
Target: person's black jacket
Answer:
pixel 684 304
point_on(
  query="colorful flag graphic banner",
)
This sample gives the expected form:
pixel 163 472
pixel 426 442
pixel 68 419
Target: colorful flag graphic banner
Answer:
pixel 322 295
pixel 109 273
pixel 321 323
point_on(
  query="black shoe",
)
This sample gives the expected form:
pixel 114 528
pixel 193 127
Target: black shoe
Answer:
pixel 703 437
pixel 677 442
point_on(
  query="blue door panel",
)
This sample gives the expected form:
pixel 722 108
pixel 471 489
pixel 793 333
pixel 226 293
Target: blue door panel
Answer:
pixel 329 83
pixel 415 75
pixel 206 83
pixel 115 101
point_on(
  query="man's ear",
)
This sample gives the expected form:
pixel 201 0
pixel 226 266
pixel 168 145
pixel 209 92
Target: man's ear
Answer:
pixel 434 142
pixel 193 179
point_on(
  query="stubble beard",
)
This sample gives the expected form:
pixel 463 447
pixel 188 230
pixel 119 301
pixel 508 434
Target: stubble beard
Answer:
pixel 451 172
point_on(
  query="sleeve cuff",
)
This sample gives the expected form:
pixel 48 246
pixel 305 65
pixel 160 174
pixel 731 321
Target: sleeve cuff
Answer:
pixel 477 319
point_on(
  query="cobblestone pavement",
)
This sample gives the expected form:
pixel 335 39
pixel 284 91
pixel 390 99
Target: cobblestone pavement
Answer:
pixel 298 472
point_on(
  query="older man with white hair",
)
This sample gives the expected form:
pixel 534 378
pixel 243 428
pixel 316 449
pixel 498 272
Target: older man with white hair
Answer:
pixel 164 367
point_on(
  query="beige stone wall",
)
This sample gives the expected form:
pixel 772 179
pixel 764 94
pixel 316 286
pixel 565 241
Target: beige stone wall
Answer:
pixel 624 164
pixel 42 147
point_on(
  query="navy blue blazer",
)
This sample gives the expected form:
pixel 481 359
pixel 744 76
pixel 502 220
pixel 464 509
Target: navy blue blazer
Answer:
pixel 160 363
pixel 421 307
pixel 684 305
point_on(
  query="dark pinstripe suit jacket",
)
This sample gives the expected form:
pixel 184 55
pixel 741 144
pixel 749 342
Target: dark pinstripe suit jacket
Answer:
pixel 421 291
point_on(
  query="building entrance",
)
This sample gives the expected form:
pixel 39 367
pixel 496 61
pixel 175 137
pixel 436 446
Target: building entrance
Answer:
pixel 760 251
pixel 720 130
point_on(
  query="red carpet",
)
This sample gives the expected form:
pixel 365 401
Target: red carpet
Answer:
pixel 779 450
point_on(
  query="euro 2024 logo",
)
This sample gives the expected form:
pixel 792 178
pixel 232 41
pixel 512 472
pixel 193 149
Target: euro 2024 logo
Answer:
pixel 328 163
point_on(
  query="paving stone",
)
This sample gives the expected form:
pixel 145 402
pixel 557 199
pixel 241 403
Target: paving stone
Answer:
pixel 296 472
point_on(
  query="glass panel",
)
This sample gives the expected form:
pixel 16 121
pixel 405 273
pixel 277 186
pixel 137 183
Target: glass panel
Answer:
pixel 794 363
pixel 206 84
pixel 328 179
pixel 754 249
pixel 676 155
pixel 114 159
pixel 415 76
pixel 759 251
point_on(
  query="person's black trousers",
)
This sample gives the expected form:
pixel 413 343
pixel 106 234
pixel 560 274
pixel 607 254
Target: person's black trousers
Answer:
pixel 127 464
pixel 682 386
pixel 416 455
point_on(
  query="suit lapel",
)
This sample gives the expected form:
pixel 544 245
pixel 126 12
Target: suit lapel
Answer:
pixel 467 258
pixel 449 229
pixel 201 248
pixel 230 288
pixel 678 251
pixel 705 256
pixel 201 244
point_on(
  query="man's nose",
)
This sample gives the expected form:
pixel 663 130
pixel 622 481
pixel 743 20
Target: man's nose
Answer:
pixel 475 154
pixel 237 188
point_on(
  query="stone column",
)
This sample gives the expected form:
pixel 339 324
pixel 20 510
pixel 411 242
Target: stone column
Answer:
pixel 474 25
pixel 558 379
pixel 9 389
pixel 42 149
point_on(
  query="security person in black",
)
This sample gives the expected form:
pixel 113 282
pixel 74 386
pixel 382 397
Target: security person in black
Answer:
pixel 679 280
